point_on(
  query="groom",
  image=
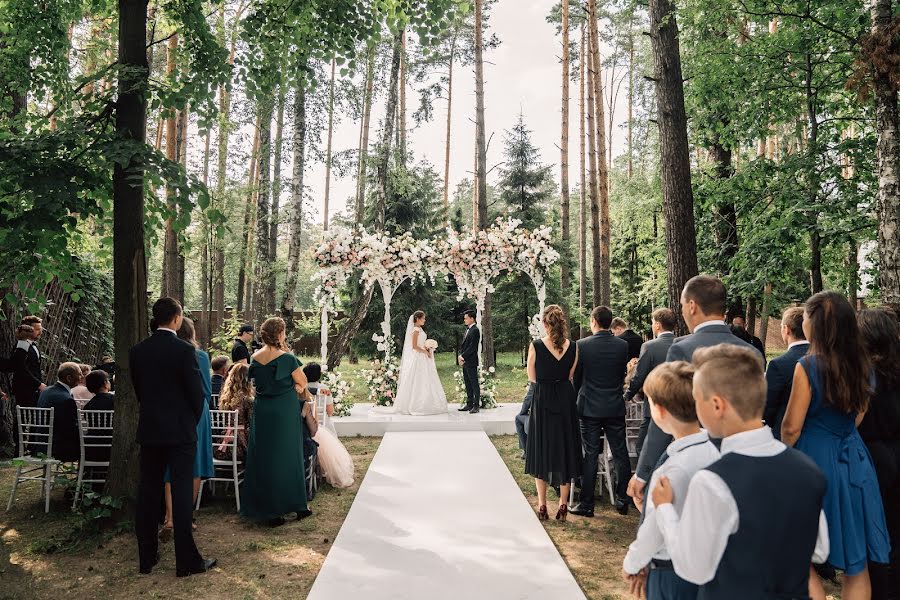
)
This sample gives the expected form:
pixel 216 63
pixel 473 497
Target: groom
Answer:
pixel 468 360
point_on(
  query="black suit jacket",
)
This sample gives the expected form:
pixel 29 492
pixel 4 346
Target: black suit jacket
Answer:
pixel 65 422
pixel 634 343
pixel 468 350
pixel 27 376
pixel 600 375
pixel 166 378
pixel 779 381
pixel 653 354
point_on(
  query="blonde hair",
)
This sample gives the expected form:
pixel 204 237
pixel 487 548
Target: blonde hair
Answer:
pixel 734 373
pixel 557 325
pixel 237 388
pixel 270 332
pixel 670 385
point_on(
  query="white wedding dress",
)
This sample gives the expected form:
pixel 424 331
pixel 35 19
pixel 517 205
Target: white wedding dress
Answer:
pixel 419 389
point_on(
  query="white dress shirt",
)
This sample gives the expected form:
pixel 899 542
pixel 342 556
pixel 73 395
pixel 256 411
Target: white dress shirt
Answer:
pixel 798 343
pixel 686 456
pixel 24 345
pixel 697 539
pixel 707 324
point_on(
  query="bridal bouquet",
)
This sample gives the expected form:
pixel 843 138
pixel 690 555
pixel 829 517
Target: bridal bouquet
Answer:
pixel 431 345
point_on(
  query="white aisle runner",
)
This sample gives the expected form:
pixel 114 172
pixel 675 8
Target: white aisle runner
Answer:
pixel 438 516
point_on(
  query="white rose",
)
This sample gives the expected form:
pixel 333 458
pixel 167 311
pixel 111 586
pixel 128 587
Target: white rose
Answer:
pixel 492 370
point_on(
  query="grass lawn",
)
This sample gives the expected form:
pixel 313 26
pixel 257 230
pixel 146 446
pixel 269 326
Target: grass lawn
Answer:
pixel 254 562
pixel 511 376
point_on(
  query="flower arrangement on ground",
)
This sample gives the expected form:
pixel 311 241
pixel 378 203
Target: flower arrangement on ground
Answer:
pixel 340 391
pixel 487 381
pixel 384 374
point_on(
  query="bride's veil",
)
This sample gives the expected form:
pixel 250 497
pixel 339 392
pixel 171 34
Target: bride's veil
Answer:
pixel 406 356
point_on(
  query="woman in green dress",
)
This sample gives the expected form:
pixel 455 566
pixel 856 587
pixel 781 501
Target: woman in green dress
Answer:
pixel 274 477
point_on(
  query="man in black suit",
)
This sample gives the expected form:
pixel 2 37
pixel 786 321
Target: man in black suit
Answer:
pixel 653 353
pixel 703 302
pixel 741 323
pixel 240 351
pixel 468 360
pixel 522 418
pixel 166 378
pixel 620 329
pixel 58 396
pixel 599 378
pixel 28 379
pixel 780 374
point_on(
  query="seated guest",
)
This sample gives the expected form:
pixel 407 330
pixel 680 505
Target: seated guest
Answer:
pixel 730 538
pixel 80 391
pixel 780 372
pixel 621 330
pixel 309 427
pixel 220 366
pixel 669 392
pixel 336 462
pixel 99 385
pixel 237 394
pixel 522 418
pixel 58 396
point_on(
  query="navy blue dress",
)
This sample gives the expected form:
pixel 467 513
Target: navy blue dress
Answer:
pixel 852 504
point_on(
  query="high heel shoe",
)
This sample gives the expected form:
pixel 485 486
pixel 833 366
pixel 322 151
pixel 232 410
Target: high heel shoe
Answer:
pixel 542 513
pixel 562 512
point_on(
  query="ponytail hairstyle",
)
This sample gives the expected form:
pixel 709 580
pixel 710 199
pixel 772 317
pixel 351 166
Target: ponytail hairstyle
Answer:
pixel 187 333
pixel 557 325
pixel 418 315
pixel 270 332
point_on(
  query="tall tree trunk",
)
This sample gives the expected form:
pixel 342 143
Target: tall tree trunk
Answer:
pixel 263 271
pixel 328 148
pixel 246 232
pixel 678 198
pixel 766 313
pixel 852 271
pixel 276 200
pixel 129 259
pixel 364 145
pixel 596 288
pixel 564 157
pixel 582 221
pixel 181 130
pixel 812 181
pixel 296 244
pixel 204 250
pixel 361 306
pixel 630 99
pixel 402 109
pixel 726 232
pixel 887 126
pixel 487 326
pixel 171 251
pixel 447 145
pixel 602 170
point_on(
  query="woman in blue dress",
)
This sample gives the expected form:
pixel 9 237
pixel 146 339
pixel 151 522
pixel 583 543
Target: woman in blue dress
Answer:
pixel 830 395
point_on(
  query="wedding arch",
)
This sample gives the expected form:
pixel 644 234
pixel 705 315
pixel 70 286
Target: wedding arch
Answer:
pixel 474 261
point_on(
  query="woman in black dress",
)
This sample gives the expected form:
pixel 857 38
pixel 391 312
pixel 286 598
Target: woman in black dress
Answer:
pixel 553 448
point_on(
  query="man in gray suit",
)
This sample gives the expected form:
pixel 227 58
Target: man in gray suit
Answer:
pixel 653 353
pixel 703 302
pixel 599 379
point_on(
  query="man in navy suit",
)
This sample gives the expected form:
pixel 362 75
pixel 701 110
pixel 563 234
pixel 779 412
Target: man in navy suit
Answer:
pixel 58 396
pixel 703 303
pixel 780 374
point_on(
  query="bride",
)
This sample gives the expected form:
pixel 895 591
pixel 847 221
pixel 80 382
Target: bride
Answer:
pixel 419 390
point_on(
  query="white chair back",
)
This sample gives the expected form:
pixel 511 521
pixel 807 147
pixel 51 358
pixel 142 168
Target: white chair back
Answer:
pixel 215 401
pixel 225 425
pixel 321 402
pixel 224 431
pixel 95 430
pixel 35 431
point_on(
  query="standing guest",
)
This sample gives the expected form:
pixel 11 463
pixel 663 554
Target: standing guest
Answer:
pixel 240 351
pixel 220 367
pixel 66 446
pixel 669 392
pixel 237 394
pixel 468 360
pixel 109 365
pixel 336 462
pixel 169 388
pixel 620 329
pixel 703 302
pixel 203 458
pixel 80 391
pixel 522 418
pixel 780 372
pixel 829 396
pixel 731 538
pixel 653 354
pixel 880 430
pixel 274 479
pixel 27 379
pixel 553 450
pixel 99 385
pixel 599 378
pixel 741 323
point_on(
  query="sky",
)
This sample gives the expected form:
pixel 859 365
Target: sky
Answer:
pixel 523 74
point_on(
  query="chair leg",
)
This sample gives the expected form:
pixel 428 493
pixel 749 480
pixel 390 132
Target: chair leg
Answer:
pixel 199 495
pixel 78 485
pixel 48 484
pixel 237 487
pixel 12 495
pixel 571 492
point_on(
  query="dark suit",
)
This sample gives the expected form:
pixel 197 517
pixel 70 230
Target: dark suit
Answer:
pixel 779 381
pixel 634 343
pixel 468 351
pixel 216 381
pixel 166 378
pixel 653 354
pixel 599 378
pixel 101 401
pixel 522 417
pixel 66 445
pixel 682 348
pixel 27 377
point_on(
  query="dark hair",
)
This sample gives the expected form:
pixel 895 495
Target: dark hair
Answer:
pixel 218 362
pixel 165 310
pixel 557 325
pixel 95 380
pixel 792 318
pixel 245 329
pixel 741 333
pixel 31 320
pixel 24 332
pixel 666 318
pixel 418 315
pixel 619 322
pixel 670 385
pixel 313 372
pixel 153 324
pixel 186 332
pixel 841 359
pixel 603 316
pixel 471 314
pixel 270 332
pixel 708 292
pixel 734 373
pixel 881 338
